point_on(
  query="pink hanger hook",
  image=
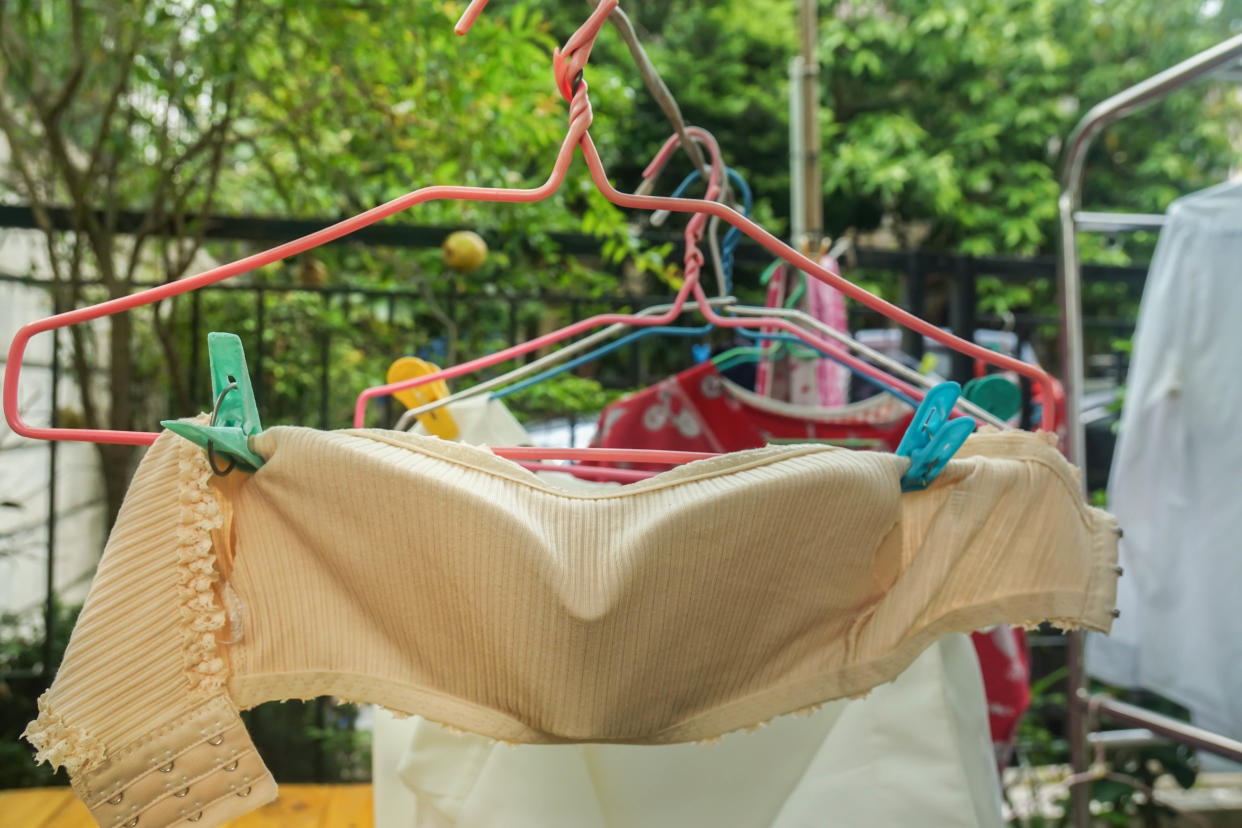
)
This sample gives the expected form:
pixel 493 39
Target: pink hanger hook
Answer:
pixel 470 15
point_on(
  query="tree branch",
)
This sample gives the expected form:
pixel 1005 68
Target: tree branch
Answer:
pixel 84 217
pixel 78 70
pixel 20 161
pixel 109 110
pixel 157 214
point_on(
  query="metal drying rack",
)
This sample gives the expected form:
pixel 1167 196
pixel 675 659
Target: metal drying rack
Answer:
pixel 1222 61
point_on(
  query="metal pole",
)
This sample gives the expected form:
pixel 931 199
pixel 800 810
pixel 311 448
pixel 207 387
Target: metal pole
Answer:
pixel 1187 734
pixel 808 23
pixel 1115 222
pixel 962 316
pixel 1080 795
pixel 797 154
pixel 1069 288
pixel 49 609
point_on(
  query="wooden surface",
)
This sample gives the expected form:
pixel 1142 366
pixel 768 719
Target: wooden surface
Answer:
pixel 298 806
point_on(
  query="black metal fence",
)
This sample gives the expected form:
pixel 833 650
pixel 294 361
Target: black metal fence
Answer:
pixel 943 288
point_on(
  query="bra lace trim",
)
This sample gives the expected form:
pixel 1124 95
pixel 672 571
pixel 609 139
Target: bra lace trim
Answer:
pixel 59 744
pixel 202 614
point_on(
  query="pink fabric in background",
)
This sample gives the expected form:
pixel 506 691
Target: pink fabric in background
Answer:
pixel 764 370
pixel 829 306
pixel 818 382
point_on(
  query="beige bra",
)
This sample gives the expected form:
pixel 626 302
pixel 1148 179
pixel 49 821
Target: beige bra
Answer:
pixel 439 579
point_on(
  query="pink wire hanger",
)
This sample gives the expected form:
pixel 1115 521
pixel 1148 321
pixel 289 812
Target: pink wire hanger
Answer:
pixel 568 66
pixel 691 287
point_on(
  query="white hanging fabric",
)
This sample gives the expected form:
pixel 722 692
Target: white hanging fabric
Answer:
pixel 915 751
pixel 1174 484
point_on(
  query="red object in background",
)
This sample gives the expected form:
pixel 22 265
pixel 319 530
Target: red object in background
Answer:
pixel 697 410
pixel 1006 667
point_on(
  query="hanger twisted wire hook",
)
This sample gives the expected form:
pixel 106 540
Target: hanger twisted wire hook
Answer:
pixel 693 260
pixel 211 449
pixel 581 115
pixel 569 61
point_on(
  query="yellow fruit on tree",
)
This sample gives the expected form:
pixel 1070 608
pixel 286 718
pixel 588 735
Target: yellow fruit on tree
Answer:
pixel 464 251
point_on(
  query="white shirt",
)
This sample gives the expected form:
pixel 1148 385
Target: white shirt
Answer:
pixel 1176 480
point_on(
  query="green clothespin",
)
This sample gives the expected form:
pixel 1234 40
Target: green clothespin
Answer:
pixel 235 415
pixel 995 394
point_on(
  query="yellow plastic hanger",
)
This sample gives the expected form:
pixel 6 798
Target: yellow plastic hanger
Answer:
pixel 438 421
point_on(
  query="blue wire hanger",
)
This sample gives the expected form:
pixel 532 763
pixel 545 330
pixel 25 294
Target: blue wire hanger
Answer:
pixel 671 330
pixel 734 236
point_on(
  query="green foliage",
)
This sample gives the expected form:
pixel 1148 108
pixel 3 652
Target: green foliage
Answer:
pixel 112 106
pixel 21 683
pixel 622 243
pixel 1122 802
pixel 562 396
pixel 726 63
pixel 1040 745
pixel 1117 798
pixel 310 740
pixel 951 113
pixel 119 104
pixel 996 296
pixel 337 128
pixel 341 127
pixel 304 110
pixel 943 120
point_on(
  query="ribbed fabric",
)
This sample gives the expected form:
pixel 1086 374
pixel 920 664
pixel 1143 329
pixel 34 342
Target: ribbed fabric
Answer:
pixel 438 579
pixel 125 650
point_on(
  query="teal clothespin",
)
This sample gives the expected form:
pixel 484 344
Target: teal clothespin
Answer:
pixel 235 415
pixel 932 438
pixel 994 394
